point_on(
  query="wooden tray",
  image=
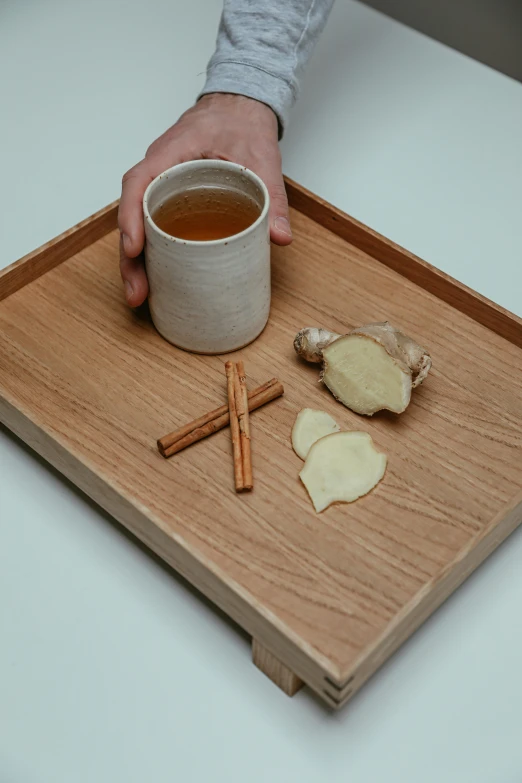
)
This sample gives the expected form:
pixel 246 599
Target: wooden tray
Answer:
pixel 90 385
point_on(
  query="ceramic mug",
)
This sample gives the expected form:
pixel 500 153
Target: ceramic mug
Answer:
pixel 208 296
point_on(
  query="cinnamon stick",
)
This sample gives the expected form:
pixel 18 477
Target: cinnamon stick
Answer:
pixel 215 420
pixel 244 425
pixel 231 371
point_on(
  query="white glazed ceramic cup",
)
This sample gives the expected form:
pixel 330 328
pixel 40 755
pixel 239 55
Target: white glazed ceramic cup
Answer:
pixel 208 297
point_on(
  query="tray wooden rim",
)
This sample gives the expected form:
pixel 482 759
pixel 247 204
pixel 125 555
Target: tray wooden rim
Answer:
pixel 337 686
pixel 481 309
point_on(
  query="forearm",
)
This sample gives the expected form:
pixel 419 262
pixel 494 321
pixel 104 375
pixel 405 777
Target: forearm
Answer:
pixel 263 47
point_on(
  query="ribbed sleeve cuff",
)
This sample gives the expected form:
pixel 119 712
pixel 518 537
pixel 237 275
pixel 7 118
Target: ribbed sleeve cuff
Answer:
pixel 254 82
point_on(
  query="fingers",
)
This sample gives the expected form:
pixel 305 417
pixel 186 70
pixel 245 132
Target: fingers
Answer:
pixel 271 174
pixel 130 213
pixel 135 281
pixel 130 222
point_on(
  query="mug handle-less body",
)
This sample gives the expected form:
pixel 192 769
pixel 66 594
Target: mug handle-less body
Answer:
pixel 208 296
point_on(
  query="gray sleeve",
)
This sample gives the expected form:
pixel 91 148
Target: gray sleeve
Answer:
pixel 263 47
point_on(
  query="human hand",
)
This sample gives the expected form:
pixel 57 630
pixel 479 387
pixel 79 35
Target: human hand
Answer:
pixel 230 127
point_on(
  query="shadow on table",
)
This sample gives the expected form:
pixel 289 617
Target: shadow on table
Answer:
pixel 115 525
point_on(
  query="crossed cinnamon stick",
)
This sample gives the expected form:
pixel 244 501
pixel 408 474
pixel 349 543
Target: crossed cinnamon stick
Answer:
pixel 239 425
pixel 236 413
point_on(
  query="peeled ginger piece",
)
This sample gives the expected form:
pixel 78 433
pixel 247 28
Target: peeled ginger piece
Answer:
pixel 342 467
pixel 362 374
pixel 373 368
pixel 311 425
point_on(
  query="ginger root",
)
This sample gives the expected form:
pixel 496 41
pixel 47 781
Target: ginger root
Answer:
pixel 341 468
pixel 373 368
pixel 310 343
pixel 311 425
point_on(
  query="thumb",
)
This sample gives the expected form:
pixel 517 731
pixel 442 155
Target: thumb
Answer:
pixel 130 212
pixel 280 231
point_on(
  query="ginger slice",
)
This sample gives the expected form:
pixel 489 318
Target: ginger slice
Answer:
pixel 373 368
pixel 342 467
pixel 311 425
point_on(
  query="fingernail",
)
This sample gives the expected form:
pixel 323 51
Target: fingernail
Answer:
pixel 282 225
pixel 126 242
pixel 129 290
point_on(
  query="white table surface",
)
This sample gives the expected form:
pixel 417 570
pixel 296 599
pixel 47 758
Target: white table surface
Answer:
pixel 112 669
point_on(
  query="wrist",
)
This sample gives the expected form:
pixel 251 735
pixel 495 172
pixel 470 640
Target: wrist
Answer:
pixel 241 103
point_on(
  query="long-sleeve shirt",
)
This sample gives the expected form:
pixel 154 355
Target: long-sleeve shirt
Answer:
pixel 262 49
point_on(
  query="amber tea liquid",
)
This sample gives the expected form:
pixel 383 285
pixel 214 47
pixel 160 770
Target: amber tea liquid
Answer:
pixel 204 214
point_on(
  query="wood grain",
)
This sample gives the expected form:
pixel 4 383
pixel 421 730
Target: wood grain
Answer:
pixel 280 674
pixel 53 253
pixel 330 596
pixel 467 301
